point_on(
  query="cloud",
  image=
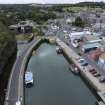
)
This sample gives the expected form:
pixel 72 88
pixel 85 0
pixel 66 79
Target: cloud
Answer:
pixel 43 1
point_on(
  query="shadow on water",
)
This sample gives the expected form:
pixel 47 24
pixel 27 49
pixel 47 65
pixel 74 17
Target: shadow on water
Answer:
pixel 29 85
pixel 4 77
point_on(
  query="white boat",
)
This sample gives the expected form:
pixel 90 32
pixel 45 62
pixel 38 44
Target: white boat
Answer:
pixel 73 69
pixel 58 50
pixel 28 78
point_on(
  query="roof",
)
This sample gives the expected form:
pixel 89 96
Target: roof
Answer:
pixel 92 38
pixel 102 56
pixel 28 76
pixel 91 45
pixel 80 33
pixel 94 54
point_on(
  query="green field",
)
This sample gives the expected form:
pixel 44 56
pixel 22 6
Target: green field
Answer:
pixel 77 9
pixel 23 37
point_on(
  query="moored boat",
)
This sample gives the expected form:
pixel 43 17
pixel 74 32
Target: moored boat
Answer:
pixel 74 69
pixel 28 78
pixel 58 50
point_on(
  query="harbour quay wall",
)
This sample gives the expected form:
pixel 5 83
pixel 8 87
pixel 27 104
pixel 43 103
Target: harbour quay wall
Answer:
pixel 84 71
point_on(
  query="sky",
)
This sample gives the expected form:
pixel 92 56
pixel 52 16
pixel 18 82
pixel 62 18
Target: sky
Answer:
pixel 43 1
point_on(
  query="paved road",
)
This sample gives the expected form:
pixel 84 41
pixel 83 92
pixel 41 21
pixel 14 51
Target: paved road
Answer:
pixel 12 95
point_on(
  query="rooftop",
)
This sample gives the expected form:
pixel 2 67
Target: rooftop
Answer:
pixel 92 38
pixel 90 45
pixel 80 33
pixel 28 76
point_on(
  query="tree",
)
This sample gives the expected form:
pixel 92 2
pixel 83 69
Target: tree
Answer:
pixel 78 22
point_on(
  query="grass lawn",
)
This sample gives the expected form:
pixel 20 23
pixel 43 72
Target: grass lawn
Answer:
pixel 22 37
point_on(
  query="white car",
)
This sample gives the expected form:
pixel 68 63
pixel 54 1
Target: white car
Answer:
pixel 28 78
pixel 18 103
pixel 83 62
pixel 75 44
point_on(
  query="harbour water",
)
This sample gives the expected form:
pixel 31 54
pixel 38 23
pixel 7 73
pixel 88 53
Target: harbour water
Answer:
pixel 54 83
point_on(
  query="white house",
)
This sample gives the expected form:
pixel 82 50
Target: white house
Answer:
pixel 78 35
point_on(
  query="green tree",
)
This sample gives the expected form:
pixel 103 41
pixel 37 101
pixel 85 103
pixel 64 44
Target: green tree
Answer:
pixel 78 22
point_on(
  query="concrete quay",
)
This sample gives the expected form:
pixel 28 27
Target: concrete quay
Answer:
pixel 84 71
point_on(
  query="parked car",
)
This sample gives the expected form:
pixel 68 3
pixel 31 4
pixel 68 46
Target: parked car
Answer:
pixel 102 79
pixel 91 70
pixel 97 74
pixel 83 62
pixel 94 72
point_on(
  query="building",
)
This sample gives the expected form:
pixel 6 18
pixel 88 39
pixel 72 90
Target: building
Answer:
pixel 92 39
pixel 22 27
pixel 90 46
pixel 78 35
pixel 70 20
pixel 102 17
pixel 98 27
pixel 94 54
pixel 101 61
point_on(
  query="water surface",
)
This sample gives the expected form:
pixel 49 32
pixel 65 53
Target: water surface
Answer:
pixel 54 84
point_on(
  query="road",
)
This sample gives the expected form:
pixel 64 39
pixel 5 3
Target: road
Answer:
pixel 12 93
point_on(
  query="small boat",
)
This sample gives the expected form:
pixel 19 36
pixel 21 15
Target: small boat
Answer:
pixel 58 50
pixel 28 78
pixel 73 69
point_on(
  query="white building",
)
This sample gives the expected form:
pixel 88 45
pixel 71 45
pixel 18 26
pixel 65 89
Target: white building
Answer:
pixel 70 20
pixel 78 35
pixel 90 46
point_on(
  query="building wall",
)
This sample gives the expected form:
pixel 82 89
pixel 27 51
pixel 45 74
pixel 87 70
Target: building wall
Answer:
pixel 101 63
